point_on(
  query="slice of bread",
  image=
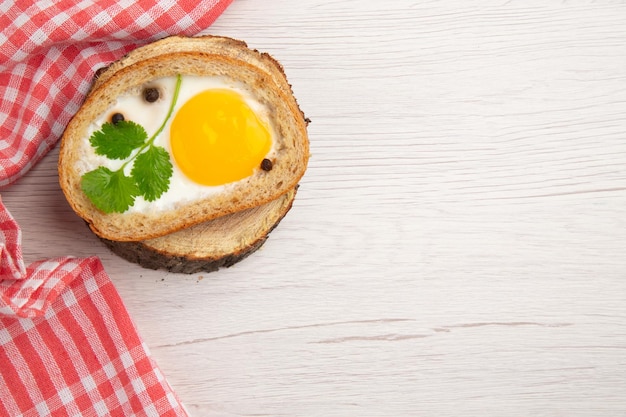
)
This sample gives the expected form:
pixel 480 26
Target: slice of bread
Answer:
pixel 207 56
pixel 213 233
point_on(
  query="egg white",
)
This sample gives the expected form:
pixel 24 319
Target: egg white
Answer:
pixel 182 190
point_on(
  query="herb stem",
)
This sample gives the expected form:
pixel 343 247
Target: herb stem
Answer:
pixel 160 129
pixel 171 109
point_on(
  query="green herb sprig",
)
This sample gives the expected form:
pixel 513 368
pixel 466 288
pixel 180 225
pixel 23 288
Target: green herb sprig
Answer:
pixel 114 191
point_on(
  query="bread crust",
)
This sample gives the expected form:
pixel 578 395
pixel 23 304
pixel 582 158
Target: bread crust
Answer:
pixel 205 56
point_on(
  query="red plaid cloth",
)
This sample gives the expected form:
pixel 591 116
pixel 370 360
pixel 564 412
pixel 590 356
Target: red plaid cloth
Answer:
pixel 67 344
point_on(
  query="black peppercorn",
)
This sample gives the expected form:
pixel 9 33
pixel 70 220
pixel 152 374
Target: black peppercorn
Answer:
pixel 116 118
pixel 151 94
pixel 266 165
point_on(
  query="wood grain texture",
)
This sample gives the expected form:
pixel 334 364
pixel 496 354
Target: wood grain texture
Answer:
pixel 457 244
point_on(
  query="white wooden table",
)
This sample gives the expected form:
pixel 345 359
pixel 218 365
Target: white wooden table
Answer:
pixel 457 246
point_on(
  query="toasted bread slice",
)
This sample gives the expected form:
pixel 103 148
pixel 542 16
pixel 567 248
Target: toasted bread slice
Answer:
pixel 261 75
pixel 211 245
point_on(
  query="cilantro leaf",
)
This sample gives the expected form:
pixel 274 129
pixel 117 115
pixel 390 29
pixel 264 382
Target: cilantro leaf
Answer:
pixel 117 141
pixel 110 191
pixel 152 171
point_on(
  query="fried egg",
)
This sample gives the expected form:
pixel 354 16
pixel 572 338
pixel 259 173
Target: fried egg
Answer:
pixel 218 134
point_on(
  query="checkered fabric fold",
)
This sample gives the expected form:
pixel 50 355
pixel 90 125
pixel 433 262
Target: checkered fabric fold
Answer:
pixel 68 346
pixel 49 51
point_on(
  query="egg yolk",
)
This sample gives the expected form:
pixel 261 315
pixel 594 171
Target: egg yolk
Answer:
pixel 216 138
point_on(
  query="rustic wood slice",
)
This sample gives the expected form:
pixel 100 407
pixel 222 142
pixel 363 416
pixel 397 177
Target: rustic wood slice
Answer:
pixel 211 245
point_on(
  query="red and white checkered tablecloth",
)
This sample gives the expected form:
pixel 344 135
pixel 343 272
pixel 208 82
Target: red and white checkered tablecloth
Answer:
pixel 67 344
